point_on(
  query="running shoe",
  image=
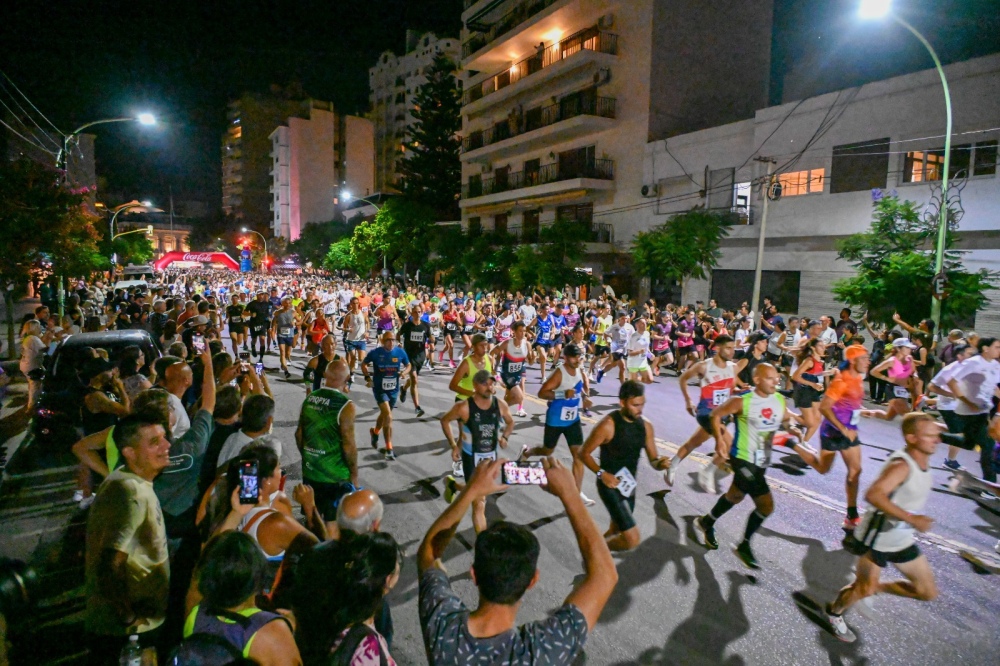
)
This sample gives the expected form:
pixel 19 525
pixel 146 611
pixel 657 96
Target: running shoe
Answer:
pixel 77 495
pixel 450 488
pixel 420 412
pixel 524 452
pixel 706 478
pixel 988 496
pixel 952 464
pixel 784 439
pixel 586 500
pixel 389 454
pixel 600 376
pixel 402 394
pixel 671 474
pixel 374 436
pixel 588 413
pixel 451 364
pixel 839 628
pixel 457 470
pixel 707 534
pixel 851 523
pixel 87 501
pixel 288 375
pixel 746 555
pixel 521 413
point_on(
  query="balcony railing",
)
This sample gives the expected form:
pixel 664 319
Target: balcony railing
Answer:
pixel 485 34
pixel 603 107
pixel 549 173
pixel 591 39
pixel 588 232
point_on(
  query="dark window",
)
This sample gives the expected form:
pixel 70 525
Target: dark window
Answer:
pixel 576 163
pixel 529 231
pixel 533 119
pixel 475 226
pixel 730 288
pixel 985 159
pixel 500 223
pixel 476 186
pixel 500 178
pixel 583 213
pixel 531 169
pixel 860 166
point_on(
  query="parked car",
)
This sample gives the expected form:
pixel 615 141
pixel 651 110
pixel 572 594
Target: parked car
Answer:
pixel 56 419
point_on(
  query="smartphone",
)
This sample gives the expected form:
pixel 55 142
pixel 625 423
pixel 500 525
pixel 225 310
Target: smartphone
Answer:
pixel 198 343
pixel 524 473
pixel 259 367
pixel 244 356
pixel 249 490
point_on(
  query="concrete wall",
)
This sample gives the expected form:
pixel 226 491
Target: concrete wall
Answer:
pixel 359 156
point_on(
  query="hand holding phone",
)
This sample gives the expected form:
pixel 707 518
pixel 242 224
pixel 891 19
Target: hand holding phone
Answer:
pixel 244 356
pixel 524 473
pixel 198 343
pixel 249 482
pixel 259 367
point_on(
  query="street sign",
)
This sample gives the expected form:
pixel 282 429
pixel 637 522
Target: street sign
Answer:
pixel 939 285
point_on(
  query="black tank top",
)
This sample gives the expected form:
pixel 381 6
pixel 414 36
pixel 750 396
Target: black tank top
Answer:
pixel 484 426
pixel 746 374
pixel 93 422
pixel 624 448
pixel 320 371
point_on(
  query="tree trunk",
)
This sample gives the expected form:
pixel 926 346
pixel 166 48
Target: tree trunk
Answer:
pixel 8 300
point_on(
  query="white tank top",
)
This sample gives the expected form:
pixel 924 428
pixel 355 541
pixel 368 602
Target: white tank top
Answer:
pixel 892 535
pixel 251 522
pixel 567 381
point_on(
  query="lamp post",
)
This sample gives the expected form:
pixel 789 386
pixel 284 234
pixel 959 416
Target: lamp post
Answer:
pixel 62 158
pixel 139 206
pixel 385 255
pixel 251 231
pixel 875 9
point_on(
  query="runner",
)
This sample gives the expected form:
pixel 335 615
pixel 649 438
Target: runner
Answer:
pixel 899 372
pixel 637 350
pixel 717 379
pixel 355 327
pixel 947 402
pixel 687 353
pixel 544 325
pixel 974 385
pixel 391 365
pixel 602 343
pixel 660 335
pixel 260 323
pixel 415 335
pixel 284 328
pixel 467 320
pixel 567 390
pixel 237 328
pixel 886 534
pixel 808 380
pixel 461 381
pixel 622 436
pixel 315 369
pixel 275 302
pixel 479 419
pixel 619 334
pixel 451 333
pixel 758 415
pixel 512 356
pixel 487 324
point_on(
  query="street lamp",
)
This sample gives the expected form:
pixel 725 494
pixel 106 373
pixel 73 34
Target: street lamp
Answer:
pixel 140 207
pixel 251 231
pixel 876 9
pixel 62 158
pixel 385 255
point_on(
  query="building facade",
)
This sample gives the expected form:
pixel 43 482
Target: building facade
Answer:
pixel 831 151
pixel 393 82
pixel 562 96
pixel 315 160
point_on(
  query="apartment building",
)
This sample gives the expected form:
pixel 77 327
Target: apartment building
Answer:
pixel 314 160
pixel 831 151
pixel 561 97
pixel 393 82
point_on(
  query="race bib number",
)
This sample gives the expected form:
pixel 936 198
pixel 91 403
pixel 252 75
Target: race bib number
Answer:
pixel 855 417
pixel 506 334
pixel 417 336
pixel 543 336
pixel 761 458
pixel 514 367
pixel 568 414
pixel 451 326
pixel 284 331
pixel 626 482
pixel 388 383
pixel 468 328
pixel 483 457
pixel 900 392
pixel 719 397
pixel 489 333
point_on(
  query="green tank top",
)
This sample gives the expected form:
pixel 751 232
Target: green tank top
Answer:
pixel 755 427
pixel 322 446
pixel 470 371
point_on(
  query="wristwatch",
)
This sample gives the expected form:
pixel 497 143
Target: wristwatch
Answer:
pixel 599 473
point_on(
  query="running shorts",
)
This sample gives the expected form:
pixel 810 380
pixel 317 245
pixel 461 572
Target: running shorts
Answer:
pixel 382 396
pixel 510 381
pixel 619 507
pixel 573 433
pixel 748 478
pixel 835 440
pixel 806 396
pixel 883 559
pixel 601 350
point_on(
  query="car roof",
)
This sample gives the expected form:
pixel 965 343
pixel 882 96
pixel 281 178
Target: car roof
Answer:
pixel 106 338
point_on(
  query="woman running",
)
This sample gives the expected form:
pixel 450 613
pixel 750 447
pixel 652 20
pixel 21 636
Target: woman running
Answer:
pixel 237 327
pixel 467 320
pixel 899 371
pixel 504 323
pixel 809 386
pixel 487 324
pixel 451 332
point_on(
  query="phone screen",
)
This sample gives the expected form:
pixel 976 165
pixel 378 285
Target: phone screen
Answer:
pixel 244 356
pixel 259 367
pixel 248 482
pixel 525 473
pixel 198 343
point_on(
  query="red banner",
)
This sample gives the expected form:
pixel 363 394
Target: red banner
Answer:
pixel 200 257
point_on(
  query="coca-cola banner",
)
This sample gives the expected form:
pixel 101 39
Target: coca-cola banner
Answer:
pixel 200 257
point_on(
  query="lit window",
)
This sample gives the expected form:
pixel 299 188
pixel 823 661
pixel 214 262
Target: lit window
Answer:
pixel 802 182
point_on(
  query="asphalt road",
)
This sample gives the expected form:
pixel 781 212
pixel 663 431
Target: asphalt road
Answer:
pixel 676 603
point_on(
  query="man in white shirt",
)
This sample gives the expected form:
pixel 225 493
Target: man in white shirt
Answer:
pixel 974 384
pixel 829 333
pixel 527 312
pixel 258 418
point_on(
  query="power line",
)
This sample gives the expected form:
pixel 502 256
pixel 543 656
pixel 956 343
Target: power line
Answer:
pixel 28 130
pixel 14 85
pixel 33 145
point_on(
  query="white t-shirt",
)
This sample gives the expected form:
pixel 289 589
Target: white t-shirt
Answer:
pixel 941 379
pixel 182 422
pixel 829 336
pixel 620 336
pixel 741 337
pixel 978 379
pixel 527 313
pixel 32 353
pixel 638 342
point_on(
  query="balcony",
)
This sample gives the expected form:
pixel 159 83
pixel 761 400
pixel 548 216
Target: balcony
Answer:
pixel 592 40
pixel 548 179
pixel 569 118
pixel 592 232
pixel 483 34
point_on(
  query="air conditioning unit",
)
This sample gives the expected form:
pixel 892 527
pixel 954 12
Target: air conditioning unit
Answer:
pixel 650 191
pixel 606 22
pixel 601 76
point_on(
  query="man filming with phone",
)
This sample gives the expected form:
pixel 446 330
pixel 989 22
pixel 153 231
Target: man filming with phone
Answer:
pixel 479 422
pixel 504 568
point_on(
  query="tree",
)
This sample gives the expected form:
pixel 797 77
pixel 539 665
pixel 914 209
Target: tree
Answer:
pixel 432 170
pixel 41 222
pixel 685 246
pixel 399 237
pixel 895 264
pixel 315 240
pixel 134 248
pixel 338 256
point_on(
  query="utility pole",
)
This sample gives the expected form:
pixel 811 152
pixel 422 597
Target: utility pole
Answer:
pixel 171 188
pixel 755 301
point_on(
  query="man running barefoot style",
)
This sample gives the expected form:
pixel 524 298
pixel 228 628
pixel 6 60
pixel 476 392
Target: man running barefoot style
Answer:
pixel 391 366
pixel 758 414
pixel 622 436
pixel 567 390
pixel 717 379
pixel 512 356
pixel 886 532
pixel 479 420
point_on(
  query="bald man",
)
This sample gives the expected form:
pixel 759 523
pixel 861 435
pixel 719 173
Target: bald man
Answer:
pixel 177 379
pixel 325 438
pixel 360 512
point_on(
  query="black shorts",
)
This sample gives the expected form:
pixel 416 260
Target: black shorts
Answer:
pixel 328 496
pixel 619 507
pixel 748 478
pixel 684 351
pixel 806 396
pixel 258 330
pixel 601 350
pixel 416 361
pixel 468 468
pixel 454 335
pixel 511 381
pixel 238 329
pixel 882 559
pixel 544 345
pixel 573 433
pixel 617 356
pixel 705 421
pixel 659 353
pixel 772 358
pixel 835 441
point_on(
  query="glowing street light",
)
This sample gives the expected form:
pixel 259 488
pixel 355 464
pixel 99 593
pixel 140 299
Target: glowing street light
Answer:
pixel 874 9
pixel 146 119
pixel 251 231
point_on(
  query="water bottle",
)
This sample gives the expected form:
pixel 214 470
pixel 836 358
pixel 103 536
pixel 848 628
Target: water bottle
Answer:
pixel 131 654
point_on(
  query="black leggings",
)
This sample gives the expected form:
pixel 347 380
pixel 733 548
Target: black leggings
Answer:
pixel 876 389
pixel 975 428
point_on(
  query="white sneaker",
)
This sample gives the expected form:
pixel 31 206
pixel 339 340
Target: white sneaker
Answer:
pixel 586 500
pixel 457 469
pixel 840 628
pixel 671 474
pixel 521 413
pixel 87 501
pixel 706 478
pixel 78 495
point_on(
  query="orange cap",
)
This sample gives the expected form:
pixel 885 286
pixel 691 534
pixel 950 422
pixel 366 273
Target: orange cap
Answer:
pixel 855 351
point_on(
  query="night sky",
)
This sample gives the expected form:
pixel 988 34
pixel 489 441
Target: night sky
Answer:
pixel 80 61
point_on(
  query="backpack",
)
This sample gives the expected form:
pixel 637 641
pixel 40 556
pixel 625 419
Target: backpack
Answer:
pixel 344 653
